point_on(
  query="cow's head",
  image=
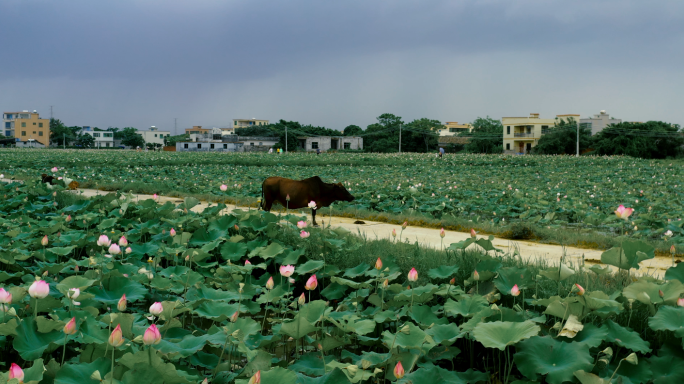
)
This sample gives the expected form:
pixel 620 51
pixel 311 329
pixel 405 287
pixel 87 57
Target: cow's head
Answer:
pixel 341 193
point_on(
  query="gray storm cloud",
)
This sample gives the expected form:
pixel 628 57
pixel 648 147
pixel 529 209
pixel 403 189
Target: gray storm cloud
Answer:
pixel 141 63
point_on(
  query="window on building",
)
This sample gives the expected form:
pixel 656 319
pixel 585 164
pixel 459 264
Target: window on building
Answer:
pixel 40 133
pixel 225 146
pixel 40 125
pixel 199 146
pixel 529 147
pixel 106 144
pixel 251 144
pixel 261 143
pixel 8 125
pixel 34 132
pixel 211 146
pixel 508 129
pixel 155 135
pixel 23 125
pixel 8 133
pixel 34 123
pixel 545 129
pixel 347 145
pixel 185 145
pixel 107 134
pixel 23 133
pixel 508 146
pixel 96 134
pixel 314 145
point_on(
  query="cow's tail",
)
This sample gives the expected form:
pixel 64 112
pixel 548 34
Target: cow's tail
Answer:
pixel 261 205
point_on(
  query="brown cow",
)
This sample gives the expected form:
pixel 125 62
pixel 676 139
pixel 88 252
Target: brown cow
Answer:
pixel 301 193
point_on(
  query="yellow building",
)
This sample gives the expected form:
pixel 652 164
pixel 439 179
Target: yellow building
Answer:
pixel 521 134
pixel 246 123
pixel 28 127
pixel 452 128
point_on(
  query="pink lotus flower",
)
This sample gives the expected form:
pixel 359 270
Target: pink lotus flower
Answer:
pixel 398 370
pixel 580 290
pixel 15 372
pixel 476 276
pixel 270 283
pixel 301 224
pixel 247 262
pixel 114 249
pixel 680 302
pixel 155 197
pixel 302 299
pixel 442 233
pixel 256 379
pixel 287 270
pixel 5 297
pixel 385 283
pixel 473 234
pixel 515 291
pixel 403 226
pixel 123 242
pixel 312 205
pixel 70 327
pixel 623 213
pixel 234 317
pixel 378 264
pixel 452 281
pixel 73 293
pixel 156 309
pixel 116 338
pixel 394 232
pixel 413 275
pixel 172 232
pixel 44 241
pixel 68 218
pixel 121 305
pixel 103 241
pixel 54 169
pixel 39 289
pixel 128 250
pixel 287 198
pixel 311 284
pixel 672 249
pixel 223 187
pixel 304 234
pixel 152 335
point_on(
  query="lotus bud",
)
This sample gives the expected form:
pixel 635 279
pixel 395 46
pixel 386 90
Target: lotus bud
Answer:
pixel 234 317
pixel 70 327
pixel 378 264
pixel 473 234
pixel 290 280
pixel 385 284
pixel 413 275
pixel 44 241
pixel 580 290
pixel 205 381
pixel 352 369
pixel 236 227
pixel 103 241
pixel 152 335
pixel 515 291
pixel 39 289
pixel 15 372
pixel 68 218
pixel 76 268
pixel 394 232
pixel 287 270
pixel 270 283
pixel 223 187
pixel 304 234
pixel 623 213
pixel 121 305
pixel 73 293
pixel 405 329
pixel 172 232
pixel 312 204
pixel 672 249
pixel 123 242
pixel 632 359
pixel 240 286
pixel 442 233
pixel 45 273
pixel 301 224
pixel 116 338
pixel 311 284
pixel 398 370
pixel 680 302
pixel 156 309
pixel 114 249
pixel 404 225
pixel 452 281
pixel 256 379
pixel 128 250
pixel 5 297
pixel 247 263
pixel 494 307
pixel 661 294
pixel 476 276
pixel 302 299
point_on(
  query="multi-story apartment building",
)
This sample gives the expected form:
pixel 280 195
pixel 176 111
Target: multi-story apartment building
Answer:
pixel 27 127
pixel 246 123
pixel 154 135
pixel 452 128
pixel 598 122
pixel 103 139
pixel 521 134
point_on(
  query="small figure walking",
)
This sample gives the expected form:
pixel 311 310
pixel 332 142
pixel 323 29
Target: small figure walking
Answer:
pixel 441 152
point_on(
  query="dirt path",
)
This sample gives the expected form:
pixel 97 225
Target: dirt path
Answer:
pixel 430 238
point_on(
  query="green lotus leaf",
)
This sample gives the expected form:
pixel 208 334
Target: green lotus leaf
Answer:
pixel 30 343
pixel 414 339
pixel 508 277
pixel 588 378
pixel 334 291
pixel 640 373
pixel 9 328
pixel 260 362
pixel 356 271
pixel 668 319
pixel 423 315
pixel 117 287
pixel 334 377
pixel 672 289
pixel 292 257
pixel 61 251
pixel 478 318
pixel 141 250
pixel 185 347
pixel 590 335
pixel 79 282
pixel 550 357
pixel 445 334
pixel 303 322
pixel 351 283
pixel 218 310
pixel 233 251
pixel 667 369
pixel 48 325
pixel 432 375
pixel 600 304
pixel 443 271
pixel 271 251
pixel 461 245
pixel 597 269
pixel 417 295
pixel 276 375
pixel 4 276
pixel 80 373
pixel 555 275
pixel 625 338
pixel 466 307
pixel 148 368
pixel 309 267
pixel 500 334
pixel 311 364
pixel 629 256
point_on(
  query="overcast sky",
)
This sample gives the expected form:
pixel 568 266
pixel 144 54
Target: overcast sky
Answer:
pixel 334 63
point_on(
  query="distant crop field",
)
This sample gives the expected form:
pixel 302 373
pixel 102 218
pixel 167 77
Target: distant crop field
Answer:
pixel 554 191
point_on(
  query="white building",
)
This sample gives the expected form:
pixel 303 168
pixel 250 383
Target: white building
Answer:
pixel 326 143
pixel 103 139
pixel 154 135
pixel 206 146
pixel 598 122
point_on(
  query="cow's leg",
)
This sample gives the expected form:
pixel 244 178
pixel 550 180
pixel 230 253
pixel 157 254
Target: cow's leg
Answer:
pixel 313 217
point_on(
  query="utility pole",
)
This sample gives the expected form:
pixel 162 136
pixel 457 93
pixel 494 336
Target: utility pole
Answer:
pixel 51 112
pixel 175 126
pixel 399 138
pixel 578 127
pixel 286 139
pixel 63 140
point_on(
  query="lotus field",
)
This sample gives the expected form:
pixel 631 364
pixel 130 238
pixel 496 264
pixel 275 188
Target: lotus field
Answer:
pixel 116 290
pixel 548 191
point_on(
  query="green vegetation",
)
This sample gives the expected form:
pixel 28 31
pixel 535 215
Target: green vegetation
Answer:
pixel 378 312
pixel 640 140
pixel 562 139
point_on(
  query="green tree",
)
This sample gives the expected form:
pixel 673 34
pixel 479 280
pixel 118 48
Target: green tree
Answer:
pixel 383 136
pixel 85 141
pixel 61 134
pixel 562 139
pixel 172 140
pixel 421 135
pixel 352 130
pixel 131 138
pixel 650 140
pixel 486 137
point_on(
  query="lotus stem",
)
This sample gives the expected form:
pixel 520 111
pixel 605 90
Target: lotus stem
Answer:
pixel 112 371
pixel 35 310
pixel 221 356
pixel 616 369
pixel 64 349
